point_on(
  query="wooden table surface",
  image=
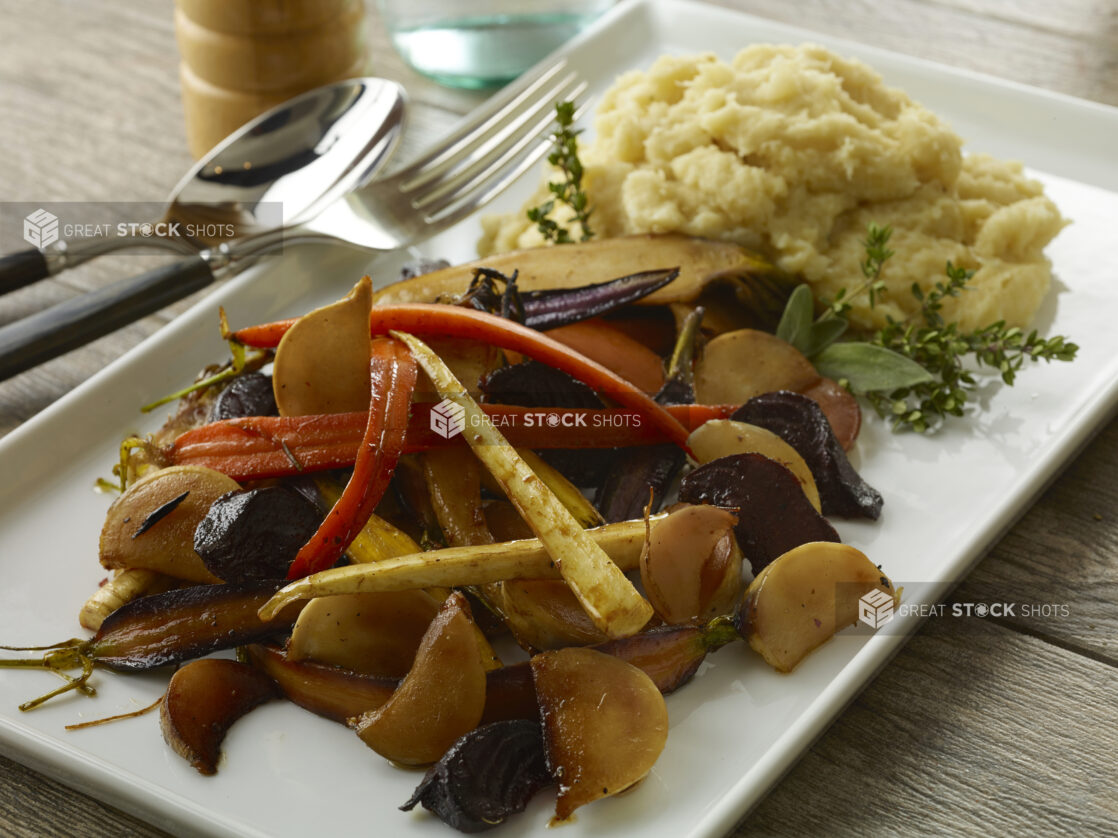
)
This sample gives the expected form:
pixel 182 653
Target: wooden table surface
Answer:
pixel 1010 732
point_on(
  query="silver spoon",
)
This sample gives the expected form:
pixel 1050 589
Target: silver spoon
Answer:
pixel 268 173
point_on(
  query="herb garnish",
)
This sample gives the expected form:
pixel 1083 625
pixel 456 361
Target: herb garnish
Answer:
pixel 569 190
pixel 877 254
pixel 241 363
pixel 159 514
pixel 915 373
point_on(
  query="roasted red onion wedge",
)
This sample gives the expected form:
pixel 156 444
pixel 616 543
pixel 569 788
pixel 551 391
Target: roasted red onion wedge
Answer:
pixel 203 700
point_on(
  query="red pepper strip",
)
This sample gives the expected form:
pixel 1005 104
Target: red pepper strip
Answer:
pixel 456 321
pixel 392 371
pixel 272 446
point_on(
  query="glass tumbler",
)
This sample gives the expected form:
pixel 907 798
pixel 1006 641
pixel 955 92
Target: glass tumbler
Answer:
pixel 482 43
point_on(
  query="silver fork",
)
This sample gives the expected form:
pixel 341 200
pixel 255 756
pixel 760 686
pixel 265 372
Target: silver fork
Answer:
pixel 470 167
pixel 477 162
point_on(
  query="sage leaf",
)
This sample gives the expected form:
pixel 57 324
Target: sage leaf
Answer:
pixel 823 333
pixel 795 322
pixel 870 368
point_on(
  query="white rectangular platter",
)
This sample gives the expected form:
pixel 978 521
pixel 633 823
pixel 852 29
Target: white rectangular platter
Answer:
pixel 739 725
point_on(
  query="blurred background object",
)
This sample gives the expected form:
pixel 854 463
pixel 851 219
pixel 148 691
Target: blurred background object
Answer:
pixel 482 44
pixel 242 57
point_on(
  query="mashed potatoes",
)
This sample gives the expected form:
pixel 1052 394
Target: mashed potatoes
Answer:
pixel 793 151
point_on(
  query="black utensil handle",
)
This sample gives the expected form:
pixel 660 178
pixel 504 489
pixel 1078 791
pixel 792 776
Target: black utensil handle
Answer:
pixel 47 334
pixel 20 269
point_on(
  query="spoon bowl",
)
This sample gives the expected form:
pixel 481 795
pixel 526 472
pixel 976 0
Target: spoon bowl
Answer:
pixel 273 171
pixel 307 151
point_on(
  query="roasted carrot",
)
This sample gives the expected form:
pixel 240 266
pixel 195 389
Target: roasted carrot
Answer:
pixel 258 447
pixel 392 372
pixel 429 319
pixel 614 350
pixel 264 336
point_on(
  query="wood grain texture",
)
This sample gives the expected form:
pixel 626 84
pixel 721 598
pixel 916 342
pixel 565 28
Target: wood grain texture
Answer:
pixel 966 37
pixel 1091 20
pixel 1062 553
pixel 1006 732
pixel 994 734
pixel 34 806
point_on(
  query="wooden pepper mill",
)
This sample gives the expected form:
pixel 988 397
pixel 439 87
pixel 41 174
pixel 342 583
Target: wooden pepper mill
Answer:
pixel 241 57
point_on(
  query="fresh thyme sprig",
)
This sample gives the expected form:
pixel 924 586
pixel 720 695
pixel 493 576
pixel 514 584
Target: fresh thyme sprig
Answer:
pixel 877 254
pixel 943 349
pixel 916 373
pixel 569 190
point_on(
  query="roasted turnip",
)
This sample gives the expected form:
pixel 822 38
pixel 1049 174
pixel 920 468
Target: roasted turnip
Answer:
pixel 151 525
pixel 604 721
pixel 372 634
pixel 800 600
pixel 442 697
pixel 736 366
pixel 322 362
pixel 691 567
pixel 544 614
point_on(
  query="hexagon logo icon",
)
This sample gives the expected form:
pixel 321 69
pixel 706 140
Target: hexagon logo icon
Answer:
pixel 40 228
pixel 448 418
pixel 875 609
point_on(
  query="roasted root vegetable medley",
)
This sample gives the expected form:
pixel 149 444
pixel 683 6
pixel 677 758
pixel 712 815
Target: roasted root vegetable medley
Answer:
pixel 600 454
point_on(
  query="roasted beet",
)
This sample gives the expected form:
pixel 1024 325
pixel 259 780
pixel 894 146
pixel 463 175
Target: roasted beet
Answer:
pixel 487 775
pixel 533 384
pixel 247 395
pixel 254 535
pixel 800 422
pixel 774 514
pixel 623 493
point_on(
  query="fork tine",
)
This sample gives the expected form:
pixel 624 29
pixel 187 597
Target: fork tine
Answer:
pixel 496 151
pixel 494 181
pixel 489 136
pixel 493 113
